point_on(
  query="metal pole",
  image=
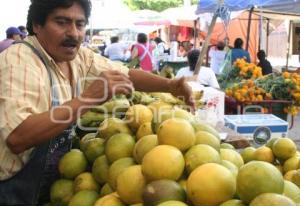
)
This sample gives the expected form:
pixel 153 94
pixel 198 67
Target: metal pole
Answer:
pixel 268 33
pixel 249 27
pixel 288 46
pixel 206 42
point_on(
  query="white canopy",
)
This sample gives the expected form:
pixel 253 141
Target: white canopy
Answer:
pixel 181 16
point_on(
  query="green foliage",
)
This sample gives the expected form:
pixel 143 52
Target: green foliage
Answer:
pixel 156 5
pixel 279 87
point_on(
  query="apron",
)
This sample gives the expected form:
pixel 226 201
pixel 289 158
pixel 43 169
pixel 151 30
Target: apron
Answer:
pixel 31 185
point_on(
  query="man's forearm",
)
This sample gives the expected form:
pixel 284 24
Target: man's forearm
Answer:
pixel 148 82
pixel 39 128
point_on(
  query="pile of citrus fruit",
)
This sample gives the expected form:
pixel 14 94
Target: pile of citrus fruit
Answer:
pixel 160 155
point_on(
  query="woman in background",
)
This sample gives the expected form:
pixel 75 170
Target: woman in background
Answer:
pixel 143 51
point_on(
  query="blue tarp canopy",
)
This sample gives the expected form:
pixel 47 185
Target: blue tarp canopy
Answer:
pixel 282 6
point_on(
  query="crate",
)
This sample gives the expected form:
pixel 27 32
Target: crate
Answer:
pixel 257 127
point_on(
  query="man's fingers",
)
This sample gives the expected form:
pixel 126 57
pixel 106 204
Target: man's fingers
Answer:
pixel 114 72
pixel 116 84
pixel 123 90
pixel 116 76
pixel 120 78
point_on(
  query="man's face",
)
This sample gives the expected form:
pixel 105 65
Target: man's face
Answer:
pixel 62 33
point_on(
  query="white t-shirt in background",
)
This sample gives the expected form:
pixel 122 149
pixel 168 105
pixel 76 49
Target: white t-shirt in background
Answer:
pixel 116 51
pixel 216 59
pixel 206 76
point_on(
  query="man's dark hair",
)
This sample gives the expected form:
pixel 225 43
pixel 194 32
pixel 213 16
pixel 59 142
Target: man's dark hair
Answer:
pixel 220 45
pixel 158 40
pixel 142 38
pixel 238 43
pixel 22 28
pixel 114 39
pixel 261 55
pixel 39 10
pixel 192 57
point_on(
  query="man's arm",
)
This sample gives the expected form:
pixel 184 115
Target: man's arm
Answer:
pixel 39 128
pixel 148 82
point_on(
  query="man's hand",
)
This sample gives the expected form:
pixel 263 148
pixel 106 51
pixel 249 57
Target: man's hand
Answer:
pixel 180 88
pixel 147 82
pixel 108 83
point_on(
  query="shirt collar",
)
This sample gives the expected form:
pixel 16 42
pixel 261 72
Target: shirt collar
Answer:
pixel 35 42
pixel 50 61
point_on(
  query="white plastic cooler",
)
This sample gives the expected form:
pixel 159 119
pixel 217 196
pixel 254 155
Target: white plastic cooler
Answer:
pixel 260 127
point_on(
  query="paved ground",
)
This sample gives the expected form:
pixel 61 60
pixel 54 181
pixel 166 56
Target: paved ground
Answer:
pixel 294 133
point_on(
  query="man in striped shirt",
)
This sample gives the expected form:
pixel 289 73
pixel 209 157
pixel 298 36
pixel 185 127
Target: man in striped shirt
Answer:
pixel 46 84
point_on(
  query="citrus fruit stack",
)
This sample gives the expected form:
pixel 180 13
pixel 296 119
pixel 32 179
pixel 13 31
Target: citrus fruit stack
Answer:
pixel 173 160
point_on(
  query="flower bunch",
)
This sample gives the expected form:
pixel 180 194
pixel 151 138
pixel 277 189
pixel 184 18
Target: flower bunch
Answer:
pixel 246 70
pixel 239 71
pixel 247 91
pixel 285 86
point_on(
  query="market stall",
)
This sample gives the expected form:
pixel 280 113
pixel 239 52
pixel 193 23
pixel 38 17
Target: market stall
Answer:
pixel 253 21
pixel 136 147
pixel 246 88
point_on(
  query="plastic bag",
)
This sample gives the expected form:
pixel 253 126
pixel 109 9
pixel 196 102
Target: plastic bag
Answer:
pixel 227 64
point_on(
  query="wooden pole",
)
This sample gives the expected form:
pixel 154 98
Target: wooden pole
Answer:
pixel 206 42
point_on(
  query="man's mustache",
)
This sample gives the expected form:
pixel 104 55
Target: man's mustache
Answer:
pixel 70 42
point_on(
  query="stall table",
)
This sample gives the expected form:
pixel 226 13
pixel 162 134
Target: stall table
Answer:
pixel 175 64
pixel 276 107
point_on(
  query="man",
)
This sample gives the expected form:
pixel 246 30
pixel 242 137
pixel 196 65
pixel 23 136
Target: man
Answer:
pixel 44 89
pixel 12 34
pixel 116 50
pixel 217 56
pixel 264 63
pixel 206 75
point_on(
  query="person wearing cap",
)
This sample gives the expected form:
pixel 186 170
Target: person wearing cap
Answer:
pixel 12 34
pixel 217 56
pixel 46 84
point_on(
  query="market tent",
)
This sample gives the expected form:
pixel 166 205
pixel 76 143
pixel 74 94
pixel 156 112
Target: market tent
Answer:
pixel 149 18
pixel 286 6
pixel 181 16
pixel 237 27
pixel 129 34
pixel 106 18
pixel 273 12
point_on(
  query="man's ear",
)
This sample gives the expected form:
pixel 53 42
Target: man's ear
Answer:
pixel 35 27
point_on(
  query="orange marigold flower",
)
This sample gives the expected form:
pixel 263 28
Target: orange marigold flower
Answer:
pixel 286 75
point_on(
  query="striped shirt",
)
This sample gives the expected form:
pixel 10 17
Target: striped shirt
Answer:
pixel 25 90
